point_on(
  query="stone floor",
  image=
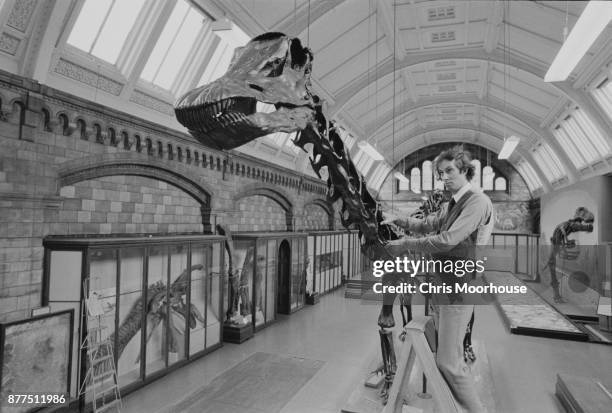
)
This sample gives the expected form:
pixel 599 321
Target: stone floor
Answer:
pixel 343 334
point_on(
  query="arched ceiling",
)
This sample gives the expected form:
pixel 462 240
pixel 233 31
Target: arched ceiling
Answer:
pixel 399 74
pixel 406 73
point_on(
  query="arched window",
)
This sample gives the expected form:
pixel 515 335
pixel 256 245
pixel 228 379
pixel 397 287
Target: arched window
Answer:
pixel 415 180
pixel 427 176
pixel 500 184
pixel 487 178
pixel 477 179
pixel 438 184
pixel 404 184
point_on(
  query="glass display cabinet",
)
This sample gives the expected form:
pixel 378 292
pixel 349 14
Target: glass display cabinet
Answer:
pixel 161 297
pixel 268 279
pixel 327 259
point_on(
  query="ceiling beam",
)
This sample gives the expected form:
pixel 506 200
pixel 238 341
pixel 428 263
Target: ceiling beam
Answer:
pixel 414 12
pixel 51 21
pixel 238 14
pixel 586 102
pixel 485 78
pixel 296 23
pixel 387 21
pixel 385 67
pixel 466 24
pixel 410 85
pixel 600 119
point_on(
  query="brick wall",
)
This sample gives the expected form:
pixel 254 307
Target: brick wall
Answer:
pixel 258 213
pixel 315 217
pixel 125 204
pixel 68 166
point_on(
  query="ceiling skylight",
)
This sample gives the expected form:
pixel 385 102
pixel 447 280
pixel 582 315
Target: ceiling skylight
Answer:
pixel 103 26
pixel 173 45
pixel 230 38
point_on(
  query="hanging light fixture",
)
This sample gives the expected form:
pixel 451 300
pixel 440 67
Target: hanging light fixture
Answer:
pixel 510 145
pixel 592 21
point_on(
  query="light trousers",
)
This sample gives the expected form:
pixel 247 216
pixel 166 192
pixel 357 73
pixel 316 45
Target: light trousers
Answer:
pixel 452 322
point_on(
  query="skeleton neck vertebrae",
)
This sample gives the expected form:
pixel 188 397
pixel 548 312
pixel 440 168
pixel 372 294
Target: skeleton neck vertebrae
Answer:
pixel 273 69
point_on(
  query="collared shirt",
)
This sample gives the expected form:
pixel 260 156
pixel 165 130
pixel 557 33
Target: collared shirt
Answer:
pixel 462 191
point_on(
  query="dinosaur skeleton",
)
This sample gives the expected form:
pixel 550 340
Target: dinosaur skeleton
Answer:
pixel 273 69
pixel 161 305
pixel 562 246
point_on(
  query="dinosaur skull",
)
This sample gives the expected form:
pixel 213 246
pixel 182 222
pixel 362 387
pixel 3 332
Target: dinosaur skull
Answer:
pixel 271 69
pixel 584 215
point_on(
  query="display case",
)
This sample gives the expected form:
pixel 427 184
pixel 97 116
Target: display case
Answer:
pixel 269 279
pixel 161 296
pixel 353 261
pixel 327 259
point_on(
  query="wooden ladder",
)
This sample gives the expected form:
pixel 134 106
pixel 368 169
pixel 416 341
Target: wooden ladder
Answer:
pixel 101 376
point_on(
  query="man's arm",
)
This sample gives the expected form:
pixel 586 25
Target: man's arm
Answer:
pixel 466 223
pixel 417 225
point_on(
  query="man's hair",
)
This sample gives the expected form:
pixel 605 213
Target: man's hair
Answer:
pixel 462 158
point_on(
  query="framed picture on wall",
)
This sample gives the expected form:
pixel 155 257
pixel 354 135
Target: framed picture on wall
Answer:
pixel 35 356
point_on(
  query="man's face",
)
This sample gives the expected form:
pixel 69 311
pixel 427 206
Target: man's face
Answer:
pixel 453 179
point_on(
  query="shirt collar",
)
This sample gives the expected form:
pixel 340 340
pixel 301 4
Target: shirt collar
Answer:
pixel 462 192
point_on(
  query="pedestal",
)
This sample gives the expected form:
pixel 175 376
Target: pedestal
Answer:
pixel 237 334
pixel 313 299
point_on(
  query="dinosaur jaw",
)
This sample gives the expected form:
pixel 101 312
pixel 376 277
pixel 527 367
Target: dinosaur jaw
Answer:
pixel 235 121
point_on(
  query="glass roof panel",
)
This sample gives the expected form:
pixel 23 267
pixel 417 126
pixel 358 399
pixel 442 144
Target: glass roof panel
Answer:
pixel 218 64
pixel 581 140
pixel 348 140
pixel 592 133
pixel 603 96
pixel 570 149
pixel 88 24
pixel 544 165
pixel 173 46
pixel 549 162
pixel 365 165
pixel 527 172
pixel 555 161
pixel 382 174
pixel 115 30
pixel 165 41
pixel 222 57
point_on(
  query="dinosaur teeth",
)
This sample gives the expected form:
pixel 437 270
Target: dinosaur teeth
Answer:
pixel 262 107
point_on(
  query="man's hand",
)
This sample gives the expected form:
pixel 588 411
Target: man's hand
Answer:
pixel 390 218
pixel 396 247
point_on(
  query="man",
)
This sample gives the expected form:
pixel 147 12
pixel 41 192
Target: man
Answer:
pixel 455 234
